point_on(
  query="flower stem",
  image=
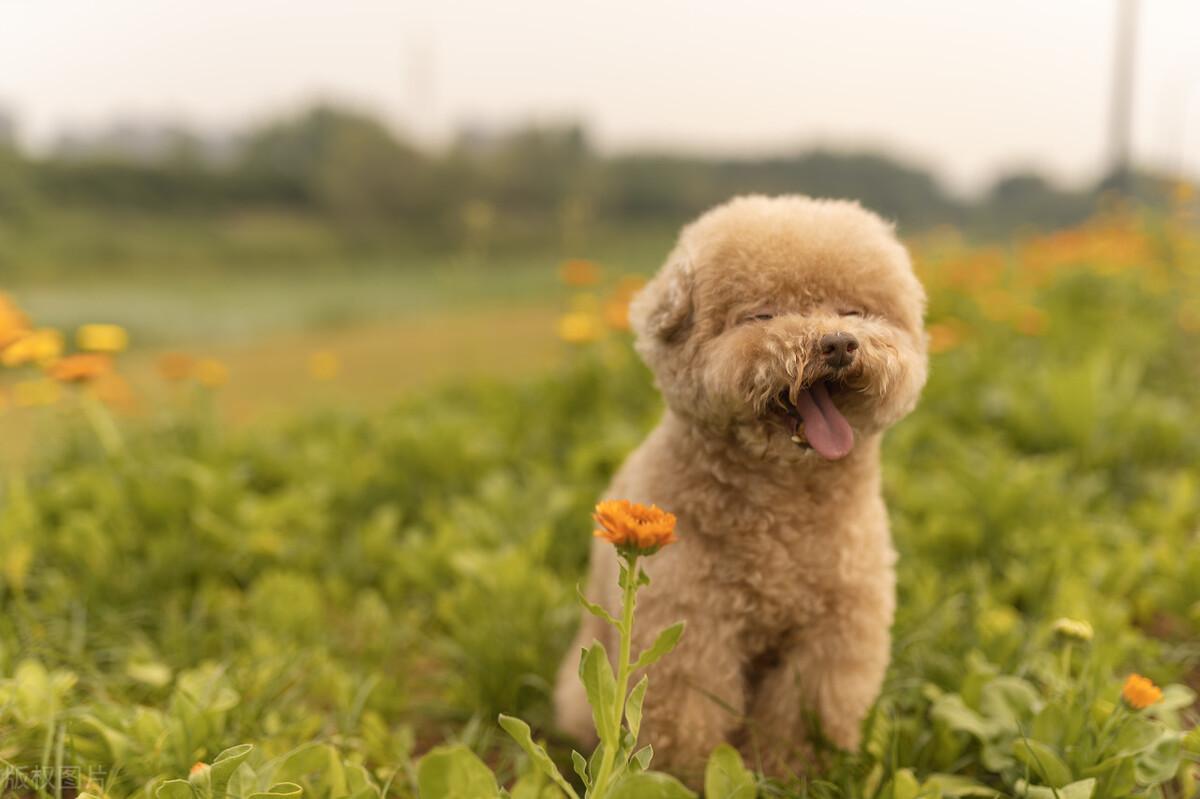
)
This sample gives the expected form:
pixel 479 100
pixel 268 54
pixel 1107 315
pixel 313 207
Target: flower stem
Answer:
pixel 625 628
pixel 103 425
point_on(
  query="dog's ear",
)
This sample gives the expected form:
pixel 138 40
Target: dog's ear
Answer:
pixel 662 310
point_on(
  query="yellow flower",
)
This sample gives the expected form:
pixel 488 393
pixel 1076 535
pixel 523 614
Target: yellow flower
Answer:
pixel 578 272
pixel 80 368
pixel 211 373
pixel 102 338
pixel 1139 692
pixel 579 328
pixel 32 393
pixel 14 324
pixel 635 528
pixel 1075 629
pixel 40 346
pixel 175 367
pixel 323 365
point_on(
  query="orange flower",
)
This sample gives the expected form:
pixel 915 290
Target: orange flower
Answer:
pixel 14 324
pixel 80 368
pixel 113 390
pixel 578 272
pixel 945 336
pixel 1140 692
pixel 175 366
pixel 634 528
pixel 197 767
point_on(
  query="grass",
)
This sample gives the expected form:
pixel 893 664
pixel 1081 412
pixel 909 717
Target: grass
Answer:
pixel 346 588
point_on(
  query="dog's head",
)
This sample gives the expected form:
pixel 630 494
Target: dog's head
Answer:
pixel 794 323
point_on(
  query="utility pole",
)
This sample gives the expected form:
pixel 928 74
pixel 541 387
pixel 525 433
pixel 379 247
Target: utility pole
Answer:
pixel 1121 119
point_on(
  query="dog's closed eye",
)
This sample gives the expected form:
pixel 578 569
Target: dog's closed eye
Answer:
pixel 851 312
pixel 761 316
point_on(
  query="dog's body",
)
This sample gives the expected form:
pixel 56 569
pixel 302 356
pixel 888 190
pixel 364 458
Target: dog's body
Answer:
pixel 785 335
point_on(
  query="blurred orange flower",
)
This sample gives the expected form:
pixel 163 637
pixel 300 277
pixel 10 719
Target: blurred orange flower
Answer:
pixel 945 336
pixel 113 390
pixel 14 324
pixel 175 367
pixel 1140 692
pixel 616 308
pixel 616 314
pixel 579 272
pixel 80 368
pixel 641 529
pixel 1031 321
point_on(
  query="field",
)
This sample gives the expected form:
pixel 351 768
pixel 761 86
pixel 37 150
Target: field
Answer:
pixel 354 583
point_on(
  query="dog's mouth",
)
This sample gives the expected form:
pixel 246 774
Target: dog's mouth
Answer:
pixel 813 420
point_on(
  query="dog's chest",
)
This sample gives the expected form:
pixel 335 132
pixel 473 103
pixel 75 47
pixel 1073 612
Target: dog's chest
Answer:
pixel 784 570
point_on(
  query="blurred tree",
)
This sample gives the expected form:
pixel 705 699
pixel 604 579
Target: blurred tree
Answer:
pixel 343 163
pixel 1025 199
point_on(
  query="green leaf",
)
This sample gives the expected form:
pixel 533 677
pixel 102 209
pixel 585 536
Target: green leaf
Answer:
pixel 665 642
pixel 224 765
pixel 1160 762
pixel 1191 742
pixel 633 707
pixel 175 789
pixel 726 777
pixel 580 764
pixel 1137 735
pixel 903 785
pixel 455 772
pixel 951 711
pixel 1043 761
pixel 280 790
pixel 1175 697
pixel 596 672
pixel 650 785
pixel 593 608
pixel 520 733
pixel 641 758
pixel 955 785
pixel 304 760
pixel 1083 789
pixel 1051 724
pixel 1008 702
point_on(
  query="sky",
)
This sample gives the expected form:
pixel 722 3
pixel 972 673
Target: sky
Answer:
pixel 969 89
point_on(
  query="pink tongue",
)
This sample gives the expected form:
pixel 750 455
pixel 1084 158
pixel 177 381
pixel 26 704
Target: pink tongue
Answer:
pixel 824 426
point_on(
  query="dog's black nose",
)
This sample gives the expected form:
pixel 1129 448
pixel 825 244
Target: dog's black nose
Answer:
pixel 838 349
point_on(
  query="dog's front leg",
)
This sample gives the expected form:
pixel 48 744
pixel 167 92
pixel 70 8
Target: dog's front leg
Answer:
pixel 696 697
pixel 826 678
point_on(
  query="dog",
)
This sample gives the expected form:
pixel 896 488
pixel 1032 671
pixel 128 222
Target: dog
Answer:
pixel 785 335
